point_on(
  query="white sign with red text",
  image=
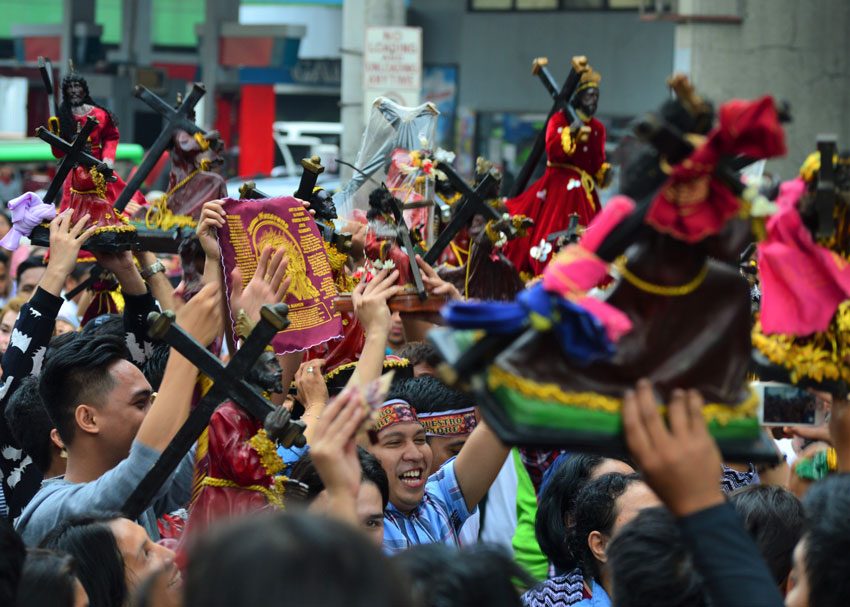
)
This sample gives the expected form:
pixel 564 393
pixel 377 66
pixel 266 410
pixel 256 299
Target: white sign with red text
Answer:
pixel 392 65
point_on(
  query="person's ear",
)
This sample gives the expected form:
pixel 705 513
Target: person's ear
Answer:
pixel 87 418
pixel 598 542
pixel 56 439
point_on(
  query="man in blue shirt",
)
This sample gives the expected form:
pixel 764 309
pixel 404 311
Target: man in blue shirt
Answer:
pixel 423 509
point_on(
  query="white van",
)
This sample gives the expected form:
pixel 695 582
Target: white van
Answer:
pixel 297 140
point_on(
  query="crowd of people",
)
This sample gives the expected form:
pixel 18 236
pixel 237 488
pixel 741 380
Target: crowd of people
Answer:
pixel 432 510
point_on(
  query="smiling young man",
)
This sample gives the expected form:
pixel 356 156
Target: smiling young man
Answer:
pixel 427 509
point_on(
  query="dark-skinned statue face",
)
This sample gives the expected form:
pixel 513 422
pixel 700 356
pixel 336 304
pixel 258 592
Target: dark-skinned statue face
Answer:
pixel 75 91
pixel 323 203
pixel 265 374
pixel 586 101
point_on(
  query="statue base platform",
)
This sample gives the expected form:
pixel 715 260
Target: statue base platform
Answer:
pixel 408 301
pixel 140 239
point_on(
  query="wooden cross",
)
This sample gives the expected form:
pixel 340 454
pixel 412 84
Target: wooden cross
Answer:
pixel 74 154
pixel 561 98
pixel 174 120
pixel 470 205
pixel 229 384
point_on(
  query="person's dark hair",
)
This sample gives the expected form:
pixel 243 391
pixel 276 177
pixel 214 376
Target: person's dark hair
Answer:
pixel 75 373
pixel 428 394
pixel 596 510
pixel 418 352
pixel 480 574
pixel 79 271
pixel 827 539
pixel 48 580
pixel 296 559
pixel 29 422
pixel 33 261
pixel 4 257
pixel 555 508
pixel 651 564
pixel 100 566
pixel 154 366
pixel 105 324
pixel 12 554
pixel 774 518
pixel 305 472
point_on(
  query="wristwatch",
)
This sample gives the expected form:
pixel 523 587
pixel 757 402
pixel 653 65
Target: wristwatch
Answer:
pixel 152 269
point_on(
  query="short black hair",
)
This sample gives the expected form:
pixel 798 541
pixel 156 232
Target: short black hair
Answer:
pixel 33 261
pixel 290 558
pixel 105 324
pixel 29 422
pixel 12 554
pixel 4 257
pixel 774 518
pixel 100 566
pixel 556 505
pixel 304 471
pixel 480 574
pixel 596 510
pixel 418 352
pixel 48 579
pixel 154 365
pixel 827 540
pixel 652 565
pixel 76 372
pixel 428 394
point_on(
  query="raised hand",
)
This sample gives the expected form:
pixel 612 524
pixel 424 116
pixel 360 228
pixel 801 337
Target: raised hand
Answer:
pixel 203 316
pixel 212 218
pixel 334 451
pixel 434 284
pixel 370 301
pixel 268 285
pixel 66 239
pixel 312 390
pixel 681 463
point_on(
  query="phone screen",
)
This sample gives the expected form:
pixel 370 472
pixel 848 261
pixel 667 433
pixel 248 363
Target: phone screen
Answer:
pixel 785 405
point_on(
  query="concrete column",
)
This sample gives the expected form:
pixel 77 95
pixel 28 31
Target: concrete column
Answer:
pixel 357 15
pixel 217 12
pixel 73 12
pixel 796 51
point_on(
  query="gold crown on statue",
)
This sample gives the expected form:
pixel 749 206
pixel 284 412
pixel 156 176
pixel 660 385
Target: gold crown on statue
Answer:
pixel 589 79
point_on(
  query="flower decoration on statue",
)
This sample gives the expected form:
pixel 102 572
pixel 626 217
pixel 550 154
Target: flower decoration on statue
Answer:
pixel 541 251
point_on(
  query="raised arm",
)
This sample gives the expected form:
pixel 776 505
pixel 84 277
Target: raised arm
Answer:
pixel 370 306
pixel 478 463
pixel 202 318
pixel 680 463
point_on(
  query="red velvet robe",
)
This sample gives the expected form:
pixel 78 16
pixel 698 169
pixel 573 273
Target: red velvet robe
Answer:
pixel 104 144
pixel 231 458
pixel 203 186
pixel 559 192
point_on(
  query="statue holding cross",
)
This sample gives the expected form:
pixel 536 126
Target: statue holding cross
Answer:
pixel 575 168
pixel 76 108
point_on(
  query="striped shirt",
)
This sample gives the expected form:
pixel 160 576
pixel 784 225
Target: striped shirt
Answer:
pixel 437 519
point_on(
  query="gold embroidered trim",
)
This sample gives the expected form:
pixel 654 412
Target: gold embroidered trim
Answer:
pixel 587 181
pixel 660 290
pixel 822 356
pixel 267 450
pixel 568 144
pixel 401 363
pixel 711 412
pixel 275 496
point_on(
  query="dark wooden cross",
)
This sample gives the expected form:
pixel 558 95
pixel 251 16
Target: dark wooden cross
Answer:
pixel 174 120
pixel 407 244
pixel 229 384
pixel 45 67
pixel 825 193
pixel 470 205
pixel 561 99
pixel 74 154
pixel 564 237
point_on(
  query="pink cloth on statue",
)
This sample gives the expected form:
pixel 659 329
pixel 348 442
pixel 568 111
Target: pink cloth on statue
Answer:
pixel 802 282
pixel 693 203
pixel 611 215
pixel 28 211
pixel 251 226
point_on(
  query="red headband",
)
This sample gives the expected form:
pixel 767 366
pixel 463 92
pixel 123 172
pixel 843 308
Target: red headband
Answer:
pixel 449 423
pixel 393 412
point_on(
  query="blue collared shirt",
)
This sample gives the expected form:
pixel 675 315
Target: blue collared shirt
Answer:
pixel 599 599
pixel 437 519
